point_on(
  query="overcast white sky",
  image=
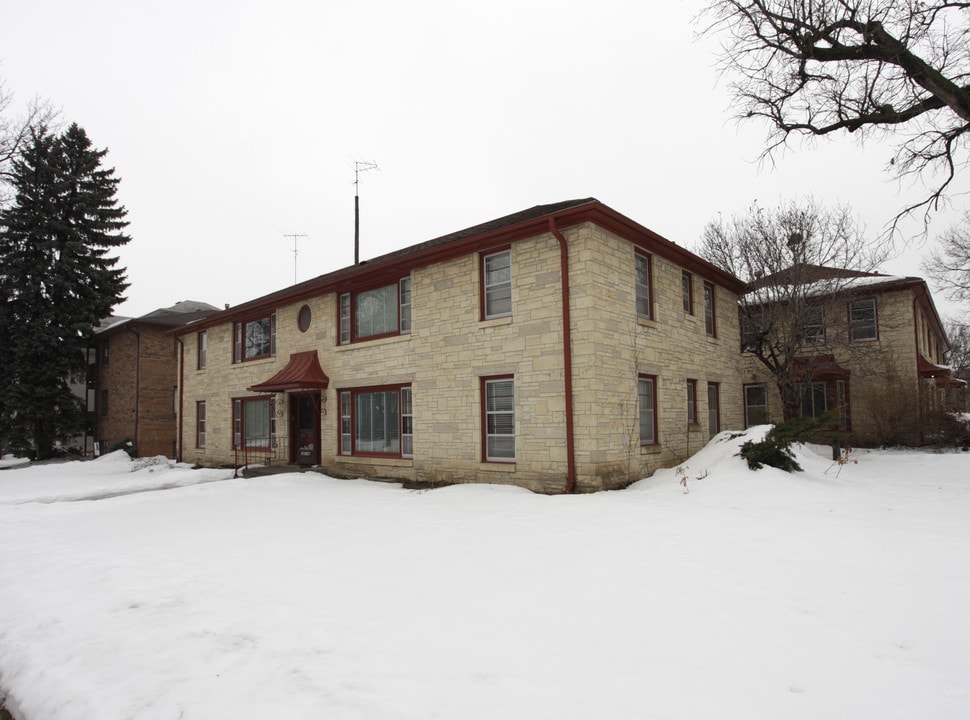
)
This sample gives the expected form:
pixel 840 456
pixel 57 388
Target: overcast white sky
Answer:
pixel 232 124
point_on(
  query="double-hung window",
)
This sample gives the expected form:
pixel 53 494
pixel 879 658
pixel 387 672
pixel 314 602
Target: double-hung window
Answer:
pixel 379 312
pixel 710 310
pixel 200 424
pixel 496 284
pixel 755 405
pixel 813 326
pixel 713 408
pixel 643 286
pixel 498 403
pixel 687 291
pixel 647 407
pixel 862 320
pixel 814 399
pixel 691 402
pixel 376 421
pixel 254 339
pixel 253 423
pixel 203 343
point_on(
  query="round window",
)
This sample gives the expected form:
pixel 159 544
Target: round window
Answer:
pixel 303 319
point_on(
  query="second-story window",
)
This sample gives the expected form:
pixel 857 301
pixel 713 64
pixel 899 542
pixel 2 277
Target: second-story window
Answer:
pixel 254 339
pixel 497 284
pixel 710 311
pixel 644 291
pixel 380 312
pixel 813 326
pixel 687 291
pixel 862 320
pixel 203 341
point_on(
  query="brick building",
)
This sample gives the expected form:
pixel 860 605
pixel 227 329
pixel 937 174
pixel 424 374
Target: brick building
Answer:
pixel 564 347
pixel 134 379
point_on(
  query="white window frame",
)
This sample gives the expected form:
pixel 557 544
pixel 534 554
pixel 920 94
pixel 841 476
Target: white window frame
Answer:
pixel 498 413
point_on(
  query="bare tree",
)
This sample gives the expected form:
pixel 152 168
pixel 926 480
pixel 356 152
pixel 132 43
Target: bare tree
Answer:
pixel 15 132
pixel 958 354
pixel 899 68
pixel 800 261
pixel 949 266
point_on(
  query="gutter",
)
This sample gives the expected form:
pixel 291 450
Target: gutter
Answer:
pixel 567 359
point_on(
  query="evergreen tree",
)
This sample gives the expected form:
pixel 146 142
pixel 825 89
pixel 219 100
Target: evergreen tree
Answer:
pixel 56 283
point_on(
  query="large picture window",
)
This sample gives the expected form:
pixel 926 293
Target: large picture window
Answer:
pixel 253 423
pixel 254 339
pixel 376 313
pixel 499 422
pixel 862 320
pixel 647 406
pixel 497 284
pixel 376 421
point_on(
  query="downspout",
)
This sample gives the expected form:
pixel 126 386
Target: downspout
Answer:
pixel 567 359
pixel 178 440
pixel 137 335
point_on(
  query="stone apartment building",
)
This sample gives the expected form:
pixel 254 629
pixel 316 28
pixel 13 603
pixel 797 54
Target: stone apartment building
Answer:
pixel 133 379
pixel 561 348
pixel 874 355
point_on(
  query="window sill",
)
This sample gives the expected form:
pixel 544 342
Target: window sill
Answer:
pixel 495 321
pixel 651 449
pixel 386 340
pixel 251 363
pixel 647 322
pixel 497 466
pixel 386 461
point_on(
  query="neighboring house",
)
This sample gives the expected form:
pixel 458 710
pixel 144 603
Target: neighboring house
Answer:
pixel 134 377
pixel 564 347
pixel 873 356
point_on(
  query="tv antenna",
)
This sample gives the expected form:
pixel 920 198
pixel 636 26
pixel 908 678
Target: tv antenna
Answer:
pixel 294 237
pixel 360 166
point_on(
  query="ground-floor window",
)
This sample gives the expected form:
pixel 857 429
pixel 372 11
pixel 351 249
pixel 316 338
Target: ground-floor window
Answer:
pixel 200 424
pixel 755 405
pixel 826 396
pixel 376 421
pixel 498 404
pixel 691 402
pixel 253 423
pixel 647 405
pixel 713 408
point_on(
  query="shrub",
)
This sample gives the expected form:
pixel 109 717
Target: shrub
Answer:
pixel 775 448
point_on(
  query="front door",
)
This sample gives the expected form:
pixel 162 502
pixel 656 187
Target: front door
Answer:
pixel 305 428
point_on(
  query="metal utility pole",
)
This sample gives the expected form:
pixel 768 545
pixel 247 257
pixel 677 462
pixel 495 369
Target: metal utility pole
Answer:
pixel 359 167
pixel 295 237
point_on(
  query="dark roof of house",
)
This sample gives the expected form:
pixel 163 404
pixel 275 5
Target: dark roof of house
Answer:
pixel 803 273
pixel 481 237
pixel 182 312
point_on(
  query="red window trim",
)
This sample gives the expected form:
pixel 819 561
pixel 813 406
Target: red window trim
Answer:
pixel 693 401
pixel 353 293
pixel 875 313
pixel 656 410
pixel 198 404
pixel 689 276
pixel 200 364
pixel 481 279
pixel 354 391
pixel 244 321
pixel 242 434
pixel 713 288
pixel 717 394
pixel 483 402
pixel 650 283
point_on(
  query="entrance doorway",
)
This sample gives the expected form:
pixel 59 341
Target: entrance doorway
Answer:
pixel 305 428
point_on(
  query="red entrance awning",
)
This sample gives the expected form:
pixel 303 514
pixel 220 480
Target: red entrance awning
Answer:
pixel 302 372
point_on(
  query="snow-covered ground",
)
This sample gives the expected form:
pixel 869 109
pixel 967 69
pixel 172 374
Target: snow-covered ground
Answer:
pixel 163 593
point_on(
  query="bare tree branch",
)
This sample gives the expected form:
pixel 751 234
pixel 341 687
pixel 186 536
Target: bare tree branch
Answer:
pixel 817 67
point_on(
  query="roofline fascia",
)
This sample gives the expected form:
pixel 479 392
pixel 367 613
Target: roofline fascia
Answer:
pixel 348 278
